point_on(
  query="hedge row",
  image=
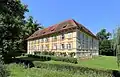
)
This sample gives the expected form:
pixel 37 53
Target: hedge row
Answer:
pixel 75 69
pixel 65 59
pixel 55 58
pixel 41 58
pixel 44 53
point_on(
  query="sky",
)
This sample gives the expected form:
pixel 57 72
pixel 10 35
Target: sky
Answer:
pixel 93 14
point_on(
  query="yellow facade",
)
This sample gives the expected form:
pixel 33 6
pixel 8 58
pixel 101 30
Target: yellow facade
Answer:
pixel 75 41
pixel 57 43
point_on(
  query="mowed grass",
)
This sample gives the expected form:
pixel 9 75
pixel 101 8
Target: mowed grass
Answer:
pixel 20 71
pixel 101 62
pixel 106 62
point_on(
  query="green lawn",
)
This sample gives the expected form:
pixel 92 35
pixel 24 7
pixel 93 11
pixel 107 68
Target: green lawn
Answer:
pixel 20 71
pixel 106 62
pixel 103 62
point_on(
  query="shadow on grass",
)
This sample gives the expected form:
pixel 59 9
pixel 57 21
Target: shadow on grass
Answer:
pixel 26 61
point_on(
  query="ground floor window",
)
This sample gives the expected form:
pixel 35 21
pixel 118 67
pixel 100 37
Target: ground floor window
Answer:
pixel 69 46
pixel 62 46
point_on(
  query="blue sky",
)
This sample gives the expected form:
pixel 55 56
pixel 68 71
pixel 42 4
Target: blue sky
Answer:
pixel 93 14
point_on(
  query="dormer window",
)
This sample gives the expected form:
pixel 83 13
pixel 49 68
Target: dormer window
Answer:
pixel 43 32
pixel 52 29
pixel 64 26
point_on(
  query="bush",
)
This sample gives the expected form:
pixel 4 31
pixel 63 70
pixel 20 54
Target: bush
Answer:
pixel 55 58
pixel 42 57
pixel 26 63
pixel 44 53
pixel 65 59
pixel 75 69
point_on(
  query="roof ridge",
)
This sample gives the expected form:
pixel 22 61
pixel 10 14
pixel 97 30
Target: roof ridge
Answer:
pixel 59 27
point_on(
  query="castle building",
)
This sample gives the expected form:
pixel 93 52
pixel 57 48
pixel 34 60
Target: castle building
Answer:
pixel 65 37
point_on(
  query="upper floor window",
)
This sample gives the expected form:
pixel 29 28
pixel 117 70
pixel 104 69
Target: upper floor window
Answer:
pixel 63 36
pixel 42 40
pixel 54 38
pixel 62 46
pixel 69 35
pixel 37 41
pixel 32 43
pixel 46 40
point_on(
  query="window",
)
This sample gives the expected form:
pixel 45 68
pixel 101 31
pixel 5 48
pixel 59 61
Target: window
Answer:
pixel 55 46
pixel 53 29
pixel 39 48
pixel 46 47
pixel 54 38
pixel 42 47
pixel 42 40
pixel 58 46
pixel 34 42
pixel 69 35
pixel 86 41
pixel 69 46
pixel 63 36
pixel 37 42
pixel 43 32
pixel 62 46
pixel 64 26
pixel 46 39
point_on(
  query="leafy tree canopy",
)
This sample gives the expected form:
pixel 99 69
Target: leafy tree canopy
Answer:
pixel 116 44
pixel 14 29
pixel 103 35
pixel 105 47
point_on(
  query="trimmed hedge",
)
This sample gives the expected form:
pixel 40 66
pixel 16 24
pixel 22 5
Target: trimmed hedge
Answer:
pixel 26 63
pixel 41 58
pixel 65 59
pixel 55 58
pixel 44 53
pixel 75 69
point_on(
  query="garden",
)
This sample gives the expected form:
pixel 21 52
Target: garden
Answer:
pixel 15 28
pixel 63 66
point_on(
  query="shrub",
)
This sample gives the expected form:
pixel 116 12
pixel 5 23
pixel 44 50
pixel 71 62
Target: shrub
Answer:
pixel 75 69
pixel 44 53
pixel 55 58
pixel 26 63
pixel 64 59
pixel 51 53
pixel 40 57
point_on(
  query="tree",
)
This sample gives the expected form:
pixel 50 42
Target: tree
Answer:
pixel 30 27
pixel 116 44
pixel 11 23
pixel 105 47
pixel 3 71
pixel 14 29
pixel 103 35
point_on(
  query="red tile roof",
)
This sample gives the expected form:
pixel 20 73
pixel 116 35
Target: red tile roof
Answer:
pixel 59 27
